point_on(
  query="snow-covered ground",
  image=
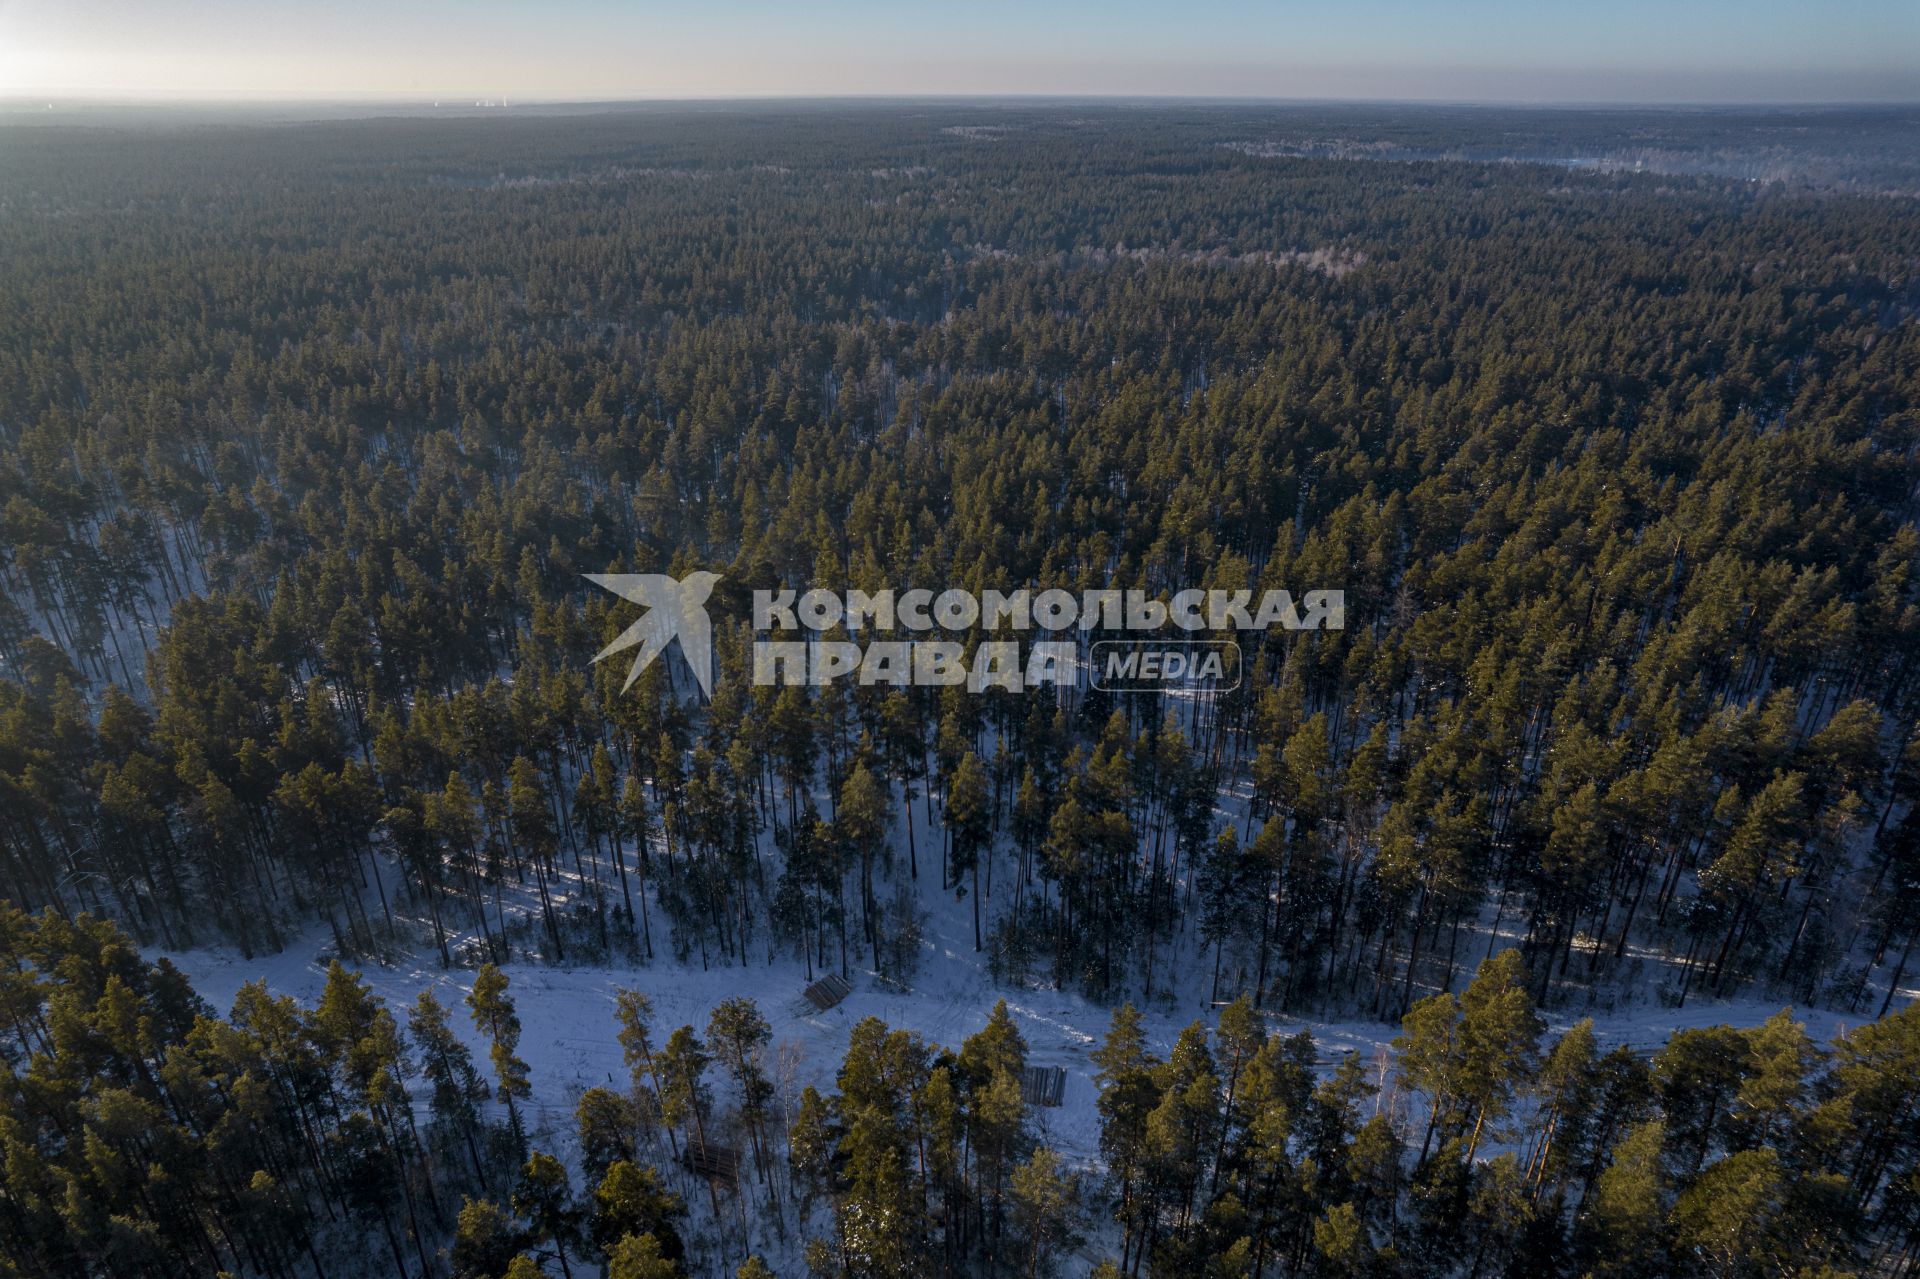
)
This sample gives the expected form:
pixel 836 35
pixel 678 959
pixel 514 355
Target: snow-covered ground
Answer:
pixel 568 1021
pixel 567 1011
pixel 569 1029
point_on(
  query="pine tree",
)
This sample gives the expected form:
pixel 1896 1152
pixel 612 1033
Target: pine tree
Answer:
pixel 545 1199
pixel 1621 1225
pixel 604 1122
pixel 448 1065
pixel 484 1241
pixel 1499 1033
pixel 810 1144
pixel 634 1201
pixel 969 816
pixel 639 1257
pixel 1728 1216
pixel 1341 1241
pixel 684 1095
pixel 860 819
pixel 739 1036
pixel 1128 1095
pixel 1043 1195
pixel 634 1011
pixel 494 1017
pixel 536 835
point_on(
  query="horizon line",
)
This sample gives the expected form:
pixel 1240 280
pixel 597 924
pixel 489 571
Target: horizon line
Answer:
pixel 486 101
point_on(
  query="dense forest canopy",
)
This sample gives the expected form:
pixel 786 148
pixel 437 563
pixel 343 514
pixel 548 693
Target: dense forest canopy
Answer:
pixel 1605 422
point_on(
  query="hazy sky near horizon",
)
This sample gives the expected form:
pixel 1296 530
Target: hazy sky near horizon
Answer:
pixel 579 50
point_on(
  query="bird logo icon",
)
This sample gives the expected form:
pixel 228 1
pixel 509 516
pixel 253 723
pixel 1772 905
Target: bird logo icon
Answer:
pixel 676 608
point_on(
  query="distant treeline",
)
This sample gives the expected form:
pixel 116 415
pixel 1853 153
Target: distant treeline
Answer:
pixel 308 432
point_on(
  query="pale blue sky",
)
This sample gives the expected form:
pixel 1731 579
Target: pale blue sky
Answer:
pixel 573 50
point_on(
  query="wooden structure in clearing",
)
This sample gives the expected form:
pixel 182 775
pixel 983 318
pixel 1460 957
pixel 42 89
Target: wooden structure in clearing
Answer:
pixel 1043 1085
pixel 714 1163
pixel 828 991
